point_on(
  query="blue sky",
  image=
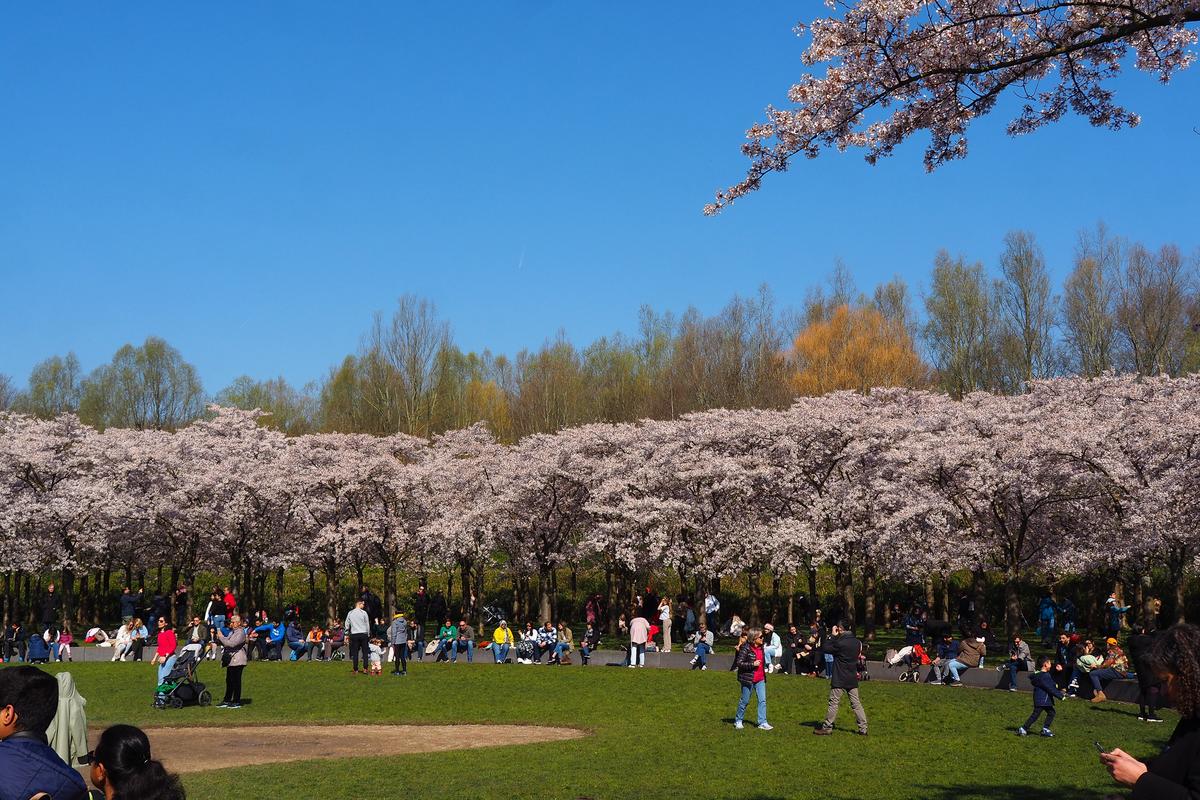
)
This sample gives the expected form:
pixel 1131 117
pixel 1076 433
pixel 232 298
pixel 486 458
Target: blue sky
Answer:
pixel 253 182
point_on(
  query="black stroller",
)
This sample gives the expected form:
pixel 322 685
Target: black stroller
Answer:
pixel 180 687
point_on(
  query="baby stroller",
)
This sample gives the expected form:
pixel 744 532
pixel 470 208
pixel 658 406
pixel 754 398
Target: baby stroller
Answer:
pixel 180 687
pixel 912 657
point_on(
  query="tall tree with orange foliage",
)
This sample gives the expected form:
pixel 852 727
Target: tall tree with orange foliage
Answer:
pixel 855 348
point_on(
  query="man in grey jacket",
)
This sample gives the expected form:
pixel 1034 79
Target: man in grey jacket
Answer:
pixel 398 639
pixel 358 632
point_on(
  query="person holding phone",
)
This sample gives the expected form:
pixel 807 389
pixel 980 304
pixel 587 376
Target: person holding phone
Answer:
pixel 1175 773
pixel 233 658
pixel 750 662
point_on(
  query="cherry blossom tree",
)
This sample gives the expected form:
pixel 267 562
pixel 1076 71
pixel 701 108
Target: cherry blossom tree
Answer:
pixel 893 68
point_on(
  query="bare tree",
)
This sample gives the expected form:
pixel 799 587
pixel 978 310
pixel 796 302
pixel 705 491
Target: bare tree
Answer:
pixel 1089 301
pixel 960 326
pixel 1153 299
pixel 8 392
pixel 1027 311
pixel 401 355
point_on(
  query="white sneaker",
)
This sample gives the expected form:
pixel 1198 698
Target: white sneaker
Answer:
pixel 702 669
pixel 738 724
pixel 693 661
pixel 632 666
pixel 766 726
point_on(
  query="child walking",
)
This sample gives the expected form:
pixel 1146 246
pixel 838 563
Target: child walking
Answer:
pixel 1045 691
pixel 753 678
pixel 375 657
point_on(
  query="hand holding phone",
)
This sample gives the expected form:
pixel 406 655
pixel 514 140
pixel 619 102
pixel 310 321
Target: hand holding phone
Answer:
pixel 1099 748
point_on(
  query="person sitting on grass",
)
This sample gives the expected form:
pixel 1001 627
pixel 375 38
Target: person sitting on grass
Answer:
pixel 562 647
pixel 138 634
pixel 703 639
pixel 295 640
pixel 1044 693
pixel 464 641
pixel 123 767
pixel 970 654
pixel 28 765
pixel 38 650
pixel 773 650
pixel 447 636
pixel 1019 660
pixel 196 637
pixel 546 639
pixel 589 643
pixel 335 639
pixel 65 640
pixel 947 651
pixel 1113 667
pixel 502 642
pixel 314 641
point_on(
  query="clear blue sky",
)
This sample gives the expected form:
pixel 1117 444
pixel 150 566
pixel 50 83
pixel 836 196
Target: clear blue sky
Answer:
pixel 251 183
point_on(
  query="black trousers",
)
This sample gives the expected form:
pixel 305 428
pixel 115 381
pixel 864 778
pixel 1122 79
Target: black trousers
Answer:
pixel 1037 711
pixel 233 684
pixel 400 657
pixel 358 644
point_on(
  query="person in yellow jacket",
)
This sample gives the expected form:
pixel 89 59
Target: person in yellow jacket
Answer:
pixel 502 642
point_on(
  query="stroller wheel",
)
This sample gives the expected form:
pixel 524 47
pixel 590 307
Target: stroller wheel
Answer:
pixel 176 702
pixel 205 698
pixel 904 677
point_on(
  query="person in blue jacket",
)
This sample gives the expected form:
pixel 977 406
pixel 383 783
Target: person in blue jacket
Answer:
pixel 1045 692
pixel 296 641
pixel 270 647
pixel 1115 612
pixel 1047 609
pixel 28 765
pixel 38 651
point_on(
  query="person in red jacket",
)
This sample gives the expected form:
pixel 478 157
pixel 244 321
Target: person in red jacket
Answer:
pixel 230 602
pixel 164 654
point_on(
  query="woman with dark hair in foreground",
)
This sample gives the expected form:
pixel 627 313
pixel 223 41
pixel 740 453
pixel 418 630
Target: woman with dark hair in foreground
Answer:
pixel 122 768
pixel 1175 773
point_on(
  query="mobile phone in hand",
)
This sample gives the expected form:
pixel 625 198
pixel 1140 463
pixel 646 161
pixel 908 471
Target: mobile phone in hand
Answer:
pixel 1099 748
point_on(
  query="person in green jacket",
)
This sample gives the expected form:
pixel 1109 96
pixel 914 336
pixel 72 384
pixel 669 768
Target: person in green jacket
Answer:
pixel 447 636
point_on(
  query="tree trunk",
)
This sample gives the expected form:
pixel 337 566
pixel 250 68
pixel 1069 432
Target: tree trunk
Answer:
pixel 389 591
pixel 85 598
pixel 68 594
pixel 930 599
pixel 468 610
pixel 791 604
pixel 1012 604
pixel 979 589
pixel 868 572
pixel 754 591
pixel 1179 587
pixel 945 598
pixel 332 590
pixel 545 576
pixel 813 600
pixel 776 598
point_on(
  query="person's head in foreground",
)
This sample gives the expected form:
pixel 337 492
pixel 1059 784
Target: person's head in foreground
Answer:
pixel 1175 660
pixel 28 766
pixel 122 767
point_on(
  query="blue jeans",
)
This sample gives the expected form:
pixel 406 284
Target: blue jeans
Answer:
pixel 500 652
pixel 458 647
pixel 216 622
pixel 1106 674
pixel 165 668
pixel 760 688
pixel 561 650
pixel 954 666
pixel 770 654
pixel 298 650
pixel 828 665
pixel 702 651
pixel 1013 668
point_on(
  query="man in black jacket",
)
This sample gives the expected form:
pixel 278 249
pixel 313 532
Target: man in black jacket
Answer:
pixel 1140 645
pixel 50 604
pixel 845 650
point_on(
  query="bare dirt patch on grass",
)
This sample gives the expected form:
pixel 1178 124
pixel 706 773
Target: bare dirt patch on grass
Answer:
pixel 198 749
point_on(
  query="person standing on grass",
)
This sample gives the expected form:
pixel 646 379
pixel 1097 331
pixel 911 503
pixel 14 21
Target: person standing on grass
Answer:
pixel 844 648
pixel 711 607
pixel 1045 692
pixel 639 633
pixel 751 665
pixel 1116 615
pixel 664 622
pixel 1175 773
pixel 164 652
pixel 1141 645
pixel 234 658
pixel 398 639
pixel 358 631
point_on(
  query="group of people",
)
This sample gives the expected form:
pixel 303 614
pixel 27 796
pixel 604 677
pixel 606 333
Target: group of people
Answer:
pixel 121 765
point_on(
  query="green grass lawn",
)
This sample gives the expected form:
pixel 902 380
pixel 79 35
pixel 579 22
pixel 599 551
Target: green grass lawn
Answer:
pixel 655 733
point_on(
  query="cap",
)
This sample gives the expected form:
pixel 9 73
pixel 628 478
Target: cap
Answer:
pixel 1110 640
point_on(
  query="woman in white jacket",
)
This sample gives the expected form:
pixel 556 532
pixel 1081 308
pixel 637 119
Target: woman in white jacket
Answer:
pixel 124 641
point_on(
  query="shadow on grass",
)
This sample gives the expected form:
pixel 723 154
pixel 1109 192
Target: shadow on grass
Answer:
pixel 966 791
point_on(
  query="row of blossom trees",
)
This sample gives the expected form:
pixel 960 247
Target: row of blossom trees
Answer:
pixel 1073 476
